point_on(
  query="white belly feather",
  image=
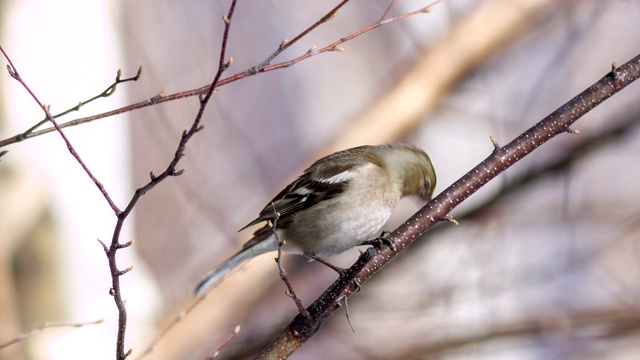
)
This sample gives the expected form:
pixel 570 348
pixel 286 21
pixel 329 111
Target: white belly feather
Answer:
pixel 339 224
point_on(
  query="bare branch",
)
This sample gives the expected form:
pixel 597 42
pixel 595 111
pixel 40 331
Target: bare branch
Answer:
pixel 283 273
pixel 302 328
pixel 106 93
pixel 285 44
pixel 155 180
pixel 45 326
pixel 161 97
pixel 154 344
pixel 215 354
pixel 14 73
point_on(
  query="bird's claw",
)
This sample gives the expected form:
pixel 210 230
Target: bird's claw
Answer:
pixel 384 239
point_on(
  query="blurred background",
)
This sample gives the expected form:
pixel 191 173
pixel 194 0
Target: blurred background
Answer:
pixel 544 263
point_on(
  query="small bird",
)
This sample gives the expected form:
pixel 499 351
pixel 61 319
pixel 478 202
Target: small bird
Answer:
pixel 339 202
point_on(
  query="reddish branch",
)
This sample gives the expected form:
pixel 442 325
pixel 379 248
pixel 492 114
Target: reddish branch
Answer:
pixel 205 94
pixel 115 245
pixel 105 93
pixel 14 74
pixel 302 328
pixel 261 68
pixel 155 180
pixel 283 273
pixel 285 44
pixel 226 342
pixel 45 326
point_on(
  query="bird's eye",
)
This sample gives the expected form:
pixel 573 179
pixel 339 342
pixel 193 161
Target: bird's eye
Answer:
pixel 427 184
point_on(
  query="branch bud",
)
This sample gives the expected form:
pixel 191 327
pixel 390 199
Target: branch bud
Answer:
pixel 138 73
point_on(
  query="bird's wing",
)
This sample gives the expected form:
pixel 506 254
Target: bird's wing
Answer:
pixel 325 179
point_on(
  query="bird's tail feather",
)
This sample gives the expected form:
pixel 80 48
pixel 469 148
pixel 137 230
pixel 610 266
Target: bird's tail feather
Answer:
pixel 260 247
pixel 216 274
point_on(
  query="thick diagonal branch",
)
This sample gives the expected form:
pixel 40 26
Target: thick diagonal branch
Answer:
pixel 303 328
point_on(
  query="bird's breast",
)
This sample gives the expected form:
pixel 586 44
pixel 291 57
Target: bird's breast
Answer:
pixel 336 225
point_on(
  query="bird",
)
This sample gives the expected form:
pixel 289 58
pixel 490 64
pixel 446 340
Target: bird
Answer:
pixel 339 202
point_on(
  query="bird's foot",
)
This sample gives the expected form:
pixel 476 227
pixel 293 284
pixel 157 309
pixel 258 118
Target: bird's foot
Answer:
pixel 341 271
pixel 383 239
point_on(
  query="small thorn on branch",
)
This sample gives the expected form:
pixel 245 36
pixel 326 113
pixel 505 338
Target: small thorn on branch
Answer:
pixel 12 72
pixel 177 173
pixel 3 153
pixel 496 146
pixel 228 63
pixel 336 48
pixel 128 352
pixel 110 91
pixel 118 74
pixel 346 313
pixel 450 219
pixel 135 78
pixel 312 49
pixel 159 96
pixel 200 128
pixel 104 246
pixel 125 245
pixel 152 175
pixel 283 43
pixel 226 20
pixel 112 292
pixel 216 353
pixel 572 131
pixel 122 272
pixel 614 73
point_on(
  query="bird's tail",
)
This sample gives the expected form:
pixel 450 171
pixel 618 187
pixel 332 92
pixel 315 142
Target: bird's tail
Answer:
pixel 216 274
pixel 248 252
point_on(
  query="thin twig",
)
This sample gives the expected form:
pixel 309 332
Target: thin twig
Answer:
pixel 161 98
pixel 283 273
pixel 14 74
pixel 45 326
pixel 285 44
pixel 226 341
pixel 334 46
pixel 183 314
pixel 154 343
pixel 386 12
pixel 106 93
pixel 345 303
pixel 155 180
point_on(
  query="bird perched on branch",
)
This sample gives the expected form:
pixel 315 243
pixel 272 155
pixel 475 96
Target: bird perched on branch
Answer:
pixel 339 202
